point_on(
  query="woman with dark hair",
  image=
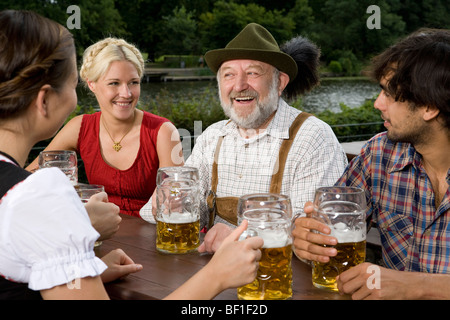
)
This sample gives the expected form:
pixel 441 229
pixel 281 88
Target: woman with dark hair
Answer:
pixel 46 234
pixel 46 237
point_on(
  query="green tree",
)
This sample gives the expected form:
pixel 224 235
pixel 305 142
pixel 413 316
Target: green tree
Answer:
pixel 98 18
pixel 340 26
pixel 302 15
pixel 425 13
pixel 145 24
pixel 228 18
pixel 182 29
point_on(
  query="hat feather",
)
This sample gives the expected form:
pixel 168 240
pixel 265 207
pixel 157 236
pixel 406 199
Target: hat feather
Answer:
pixel 306 54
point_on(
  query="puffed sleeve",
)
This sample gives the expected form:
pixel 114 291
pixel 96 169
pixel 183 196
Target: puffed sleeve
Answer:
pixel 46 237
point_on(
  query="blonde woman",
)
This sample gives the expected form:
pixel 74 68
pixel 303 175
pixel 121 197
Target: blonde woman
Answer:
pixel 121 147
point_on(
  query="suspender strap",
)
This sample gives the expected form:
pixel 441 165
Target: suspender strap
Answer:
pixel 226 207
pixel 278 170
pixel 211 199
pixel 215 178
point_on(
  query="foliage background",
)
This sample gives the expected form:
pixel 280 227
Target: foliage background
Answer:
pixel 191 27
pixel 160 27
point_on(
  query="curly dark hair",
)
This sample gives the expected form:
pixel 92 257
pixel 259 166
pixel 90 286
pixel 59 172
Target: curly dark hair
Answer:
pixel 419 70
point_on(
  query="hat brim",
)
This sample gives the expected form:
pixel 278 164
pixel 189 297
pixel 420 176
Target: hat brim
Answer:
pixel 279 60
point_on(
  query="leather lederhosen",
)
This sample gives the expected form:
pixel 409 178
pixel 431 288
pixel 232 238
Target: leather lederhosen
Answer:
pixel 226 207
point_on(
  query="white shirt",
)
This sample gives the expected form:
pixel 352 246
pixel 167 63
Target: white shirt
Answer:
pixel 46 237
pixel 246 165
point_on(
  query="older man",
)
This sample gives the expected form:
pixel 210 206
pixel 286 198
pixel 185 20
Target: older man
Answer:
pixel 267 145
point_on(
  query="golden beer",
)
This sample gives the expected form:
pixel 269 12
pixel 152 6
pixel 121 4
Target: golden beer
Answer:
pixel 177 215
pixel 349 254
pixel 177 237
pixel 274 277
pixel 269 217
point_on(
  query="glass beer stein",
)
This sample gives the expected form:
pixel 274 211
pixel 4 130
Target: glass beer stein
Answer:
pixel 65 160
pixel 269 217
pixel 85 192
pixel 176 173
pixel 343 209
pixel 177 215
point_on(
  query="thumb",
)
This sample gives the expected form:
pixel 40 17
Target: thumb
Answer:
pixel 129 268
pixel 308 208
pixel 202 247
pixel 234 236
pixel 101 196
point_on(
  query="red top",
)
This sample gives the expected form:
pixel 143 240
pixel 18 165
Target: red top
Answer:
pixel 129 189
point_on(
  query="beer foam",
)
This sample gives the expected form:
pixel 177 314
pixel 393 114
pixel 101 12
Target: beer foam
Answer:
pixel 176 217
pixel 274 238
pixel 343 234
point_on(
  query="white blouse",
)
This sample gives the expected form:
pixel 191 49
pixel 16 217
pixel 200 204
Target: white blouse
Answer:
pixel 46 237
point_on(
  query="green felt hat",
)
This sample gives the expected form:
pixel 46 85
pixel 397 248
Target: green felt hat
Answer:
pixel 254 42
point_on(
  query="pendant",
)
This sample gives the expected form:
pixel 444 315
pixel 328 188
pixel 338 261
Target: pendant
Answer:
pixel 117 146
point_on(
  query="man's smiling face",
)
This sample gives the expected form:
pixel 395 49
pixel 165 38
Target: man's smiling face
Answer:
pixel 249 91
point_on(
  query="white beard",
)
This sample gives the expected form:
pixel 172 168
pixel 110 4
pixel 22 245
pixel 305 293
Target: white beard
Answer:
pixel 262 111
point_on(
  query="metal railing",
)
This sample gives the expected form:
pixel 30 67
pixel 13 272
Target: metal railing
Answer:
pixel 188 141
pixel 356 137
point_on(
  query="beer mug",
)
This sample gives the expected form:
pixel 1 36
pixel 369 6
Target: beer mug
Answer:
pixel 343 209
pixel 184 172
pixel 177 215
pixel 66 160
pixel 85 192
pixel 269 217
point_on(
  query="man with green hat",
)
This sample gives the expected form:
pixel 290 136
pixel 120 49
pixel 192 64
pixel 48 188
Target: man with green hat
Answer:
pixel 267 145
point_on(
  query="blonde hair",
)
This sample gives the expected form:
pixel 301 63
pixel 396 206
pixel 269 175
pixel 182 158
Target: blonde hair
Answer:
pixel 98 57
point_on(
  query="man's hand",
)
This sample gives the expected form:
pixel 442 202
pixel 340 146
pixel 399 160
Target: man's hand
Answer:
pixel 309 245
pixel 369 281
pixel 214 238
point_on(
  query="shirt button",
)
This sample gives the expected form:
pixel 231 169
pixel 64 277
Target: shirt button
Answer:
pixel 429 193
pixel 427 233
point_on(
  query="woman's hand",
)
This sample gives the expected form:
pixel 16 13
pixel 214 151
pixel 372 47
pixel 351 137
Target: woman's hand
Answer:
pixel 119 265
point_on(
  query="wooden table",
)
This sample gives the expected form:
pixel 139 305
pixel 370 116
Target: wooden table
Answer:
pixel 163 273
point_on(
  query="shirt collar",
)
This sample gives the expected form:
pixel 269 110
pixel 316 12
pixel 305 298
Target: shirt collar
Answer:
pixel 279 126
pixel 407 156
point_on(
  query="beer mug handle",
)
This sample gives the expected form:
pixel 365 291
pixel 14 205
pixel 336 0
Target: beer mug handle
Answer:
pixel 248 233
pixel 297 215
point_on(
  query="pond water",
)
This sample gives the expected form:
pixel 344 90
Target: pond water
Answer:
pixel 328 95
pixel 331 92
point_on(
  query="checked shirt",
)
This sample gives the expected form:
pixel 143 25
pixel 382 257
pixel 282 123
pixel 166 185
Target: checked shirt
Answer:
pixel 415 235
pixel 246 165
